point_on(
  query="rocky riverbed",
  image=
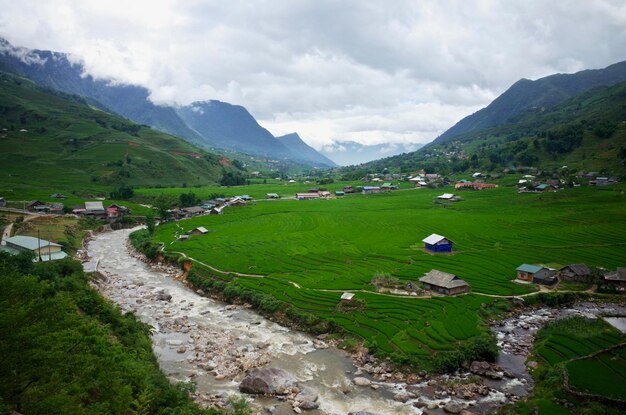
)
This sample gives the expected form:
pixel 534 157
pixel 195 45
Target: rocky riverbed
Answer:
pixel 220 346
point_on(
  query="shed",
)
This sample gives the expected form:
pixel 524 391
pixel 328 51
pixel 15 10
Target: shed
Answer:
pixel 94 208
pixel 448 196
pixel 347 297
pixel 444 283
pixel 324 193
pixel 348 189
pixel 272 196
pixel 437 243
pixel 536 274
pixel 616 279
pixel 200 230
pixel 575 272
pixel 42 249
pixel 305 196
pixel 339 193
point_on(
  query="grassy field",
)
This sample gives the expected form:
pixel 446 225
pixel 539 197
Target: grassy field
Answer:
pixel 309 252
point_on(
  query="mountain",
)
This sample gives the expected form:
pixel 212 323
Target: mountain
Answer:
pixel 540 94
pixel 347 153
pixel 302 151
pixel 211 124
pixel 585 132
pixel 55 141
pixel 55 70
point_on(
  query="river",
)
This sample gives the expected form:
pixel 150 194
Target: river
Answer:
pixel 212 344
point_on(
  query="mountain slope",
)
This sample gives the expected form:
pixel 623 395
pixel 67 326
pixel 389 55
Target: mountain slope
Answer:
pixel 543 93
pixel 56 71
pixel 302 151
pixel 586 132
pixel 53 140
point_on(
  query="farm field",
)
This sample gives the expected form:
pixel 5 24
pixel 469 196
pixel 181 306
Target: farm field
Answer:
pixel 309 252
pixel 603 374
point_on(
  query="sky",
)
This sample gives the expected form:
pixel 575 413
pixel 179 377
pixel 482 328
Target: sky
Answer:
pixel 373 72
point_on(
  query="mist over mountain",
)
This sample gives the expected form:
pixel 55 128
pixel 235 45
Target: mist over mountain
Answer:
pixel 347 153
pixel 211 124
pixel 302 151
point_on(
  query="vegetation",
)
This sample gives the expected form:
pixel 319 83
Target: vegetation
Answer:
pixel 56 313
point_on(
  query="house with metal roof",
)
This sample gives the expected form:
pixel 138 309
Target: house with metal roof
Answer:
pixel 305 196
pixel 340 193
pixel 616 279
pixel 94 208
pixel 370 189
pixel 42 250
pixel 437 243
pixel 347 297
pixel 444 283
pixel 575 272
pixel 536 274
pixel 450 197
pixel 272 196
pixel 200 230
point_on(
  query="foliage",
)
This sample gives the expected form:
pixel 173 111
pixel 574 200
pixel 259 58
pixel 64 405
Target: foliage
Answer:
pixel 232 178
pixel 112 368
pixel 163 203
pixel 122 193
pixel 188 199
pixel 141 241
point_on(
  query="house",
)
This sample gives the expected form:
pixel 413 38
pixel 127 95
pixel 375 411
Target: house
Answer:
pixel 575 272
pixel 448 197
pixel 305 196
pixel 236 201
pixel 437 243
pixel 94 208
pixel 543 187
pixel 42 250
pixel 463 184
pixel 291 181
pixel 432 176
pixel 387 187
pixel 536 274
pixel 314 190
pixel 616 279
pixel 200 230
pixel 245 197
pixel 339 193
pixel 58 196
pixel 192 211
pixel 56 208
pixel 323 193
pixel 444 283
pixel 3 202
pixel 346 297
pixel 348 189
pixel 272 196
pixel 602 181
pixel 32 206
pixel 370 189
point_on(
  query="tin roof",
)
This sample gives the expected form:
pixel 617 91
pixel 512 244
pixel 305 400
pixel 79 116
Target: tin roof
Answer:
pixel 529 268
pixel 442 279
pixel 29 242
pixel 202 229
pixel 347 296
pixel 433 239
pixel 94 206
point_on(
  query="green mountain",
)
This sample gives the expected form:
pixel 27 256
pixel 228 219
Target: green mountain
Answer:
pixel 540 94
pixel 302 151
pixel 52 140
pixel 586 132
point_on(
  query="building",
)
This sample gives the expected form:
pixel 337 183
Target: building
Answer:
pixel 387 187
pixel 339 193
pixel 448 197
pixel 94 208
pixel 616 279
pixel 272 196
pixel 305 196
pixel 536 274
pixel 444 283
pixel 346 297
pixel 370 189
pixel 437 243
pixel 56 208
pixel 200 230
pixel 575 272
pixel 348 189
pixel 42 250
pixel 324 193
pixel 35 205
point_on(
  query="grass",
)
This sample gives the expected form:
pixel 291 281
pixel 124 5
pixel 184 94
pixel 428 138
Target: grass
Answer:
pixel 309 252
pixel 604 374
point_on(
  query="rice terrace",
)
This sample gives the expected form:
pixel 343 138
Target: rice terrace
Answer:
pixel 307 253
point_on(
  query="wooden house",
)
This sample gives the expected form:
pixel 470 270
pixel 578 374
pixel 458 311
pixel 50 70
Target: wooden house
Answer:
pixel 34 205
pixel 437 243
pixel 616 279
pixel 200 230
pixel 444 283
pixel 536 274
pixel 575 272
pixel 41 249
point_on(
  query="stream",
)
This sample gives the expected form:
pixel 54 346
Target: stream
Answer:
pixel 213 344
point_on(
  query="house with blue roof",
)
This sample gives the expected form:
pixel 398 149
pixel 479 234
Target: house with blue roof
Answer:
pixel 536 274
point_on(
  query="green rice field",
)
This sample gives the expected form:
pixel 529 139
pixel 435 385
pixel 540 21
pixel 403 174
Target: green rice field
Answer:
pixel 604 374
pixel 306 253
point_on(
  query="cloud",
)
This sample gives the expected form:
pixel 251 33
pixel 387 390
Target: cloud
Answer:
pixel 372 72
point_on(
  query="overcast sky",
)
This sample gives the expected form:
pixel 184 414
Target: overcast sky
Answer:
pixel 369 71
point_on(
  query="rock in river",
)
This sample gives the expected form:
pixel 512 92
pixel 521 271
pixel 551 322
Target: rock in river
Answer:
pixel 267 381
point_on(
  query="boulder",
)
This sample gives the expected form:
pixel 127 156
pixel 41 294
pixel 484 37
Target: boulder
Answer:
pixel 307 399
pixel 267 381
pixel 360 381
pixel 452 408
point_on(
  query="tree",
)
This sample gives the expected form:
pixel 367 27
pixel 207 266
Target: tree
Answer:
pixel 164 203
pixel 150 224
pixel 122 193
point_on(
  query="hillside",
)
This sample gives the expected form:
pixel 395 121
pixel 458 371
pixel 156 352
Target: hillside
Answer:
pixel 586 132
pixel 302 151
pixel 540 95
pixel 55 141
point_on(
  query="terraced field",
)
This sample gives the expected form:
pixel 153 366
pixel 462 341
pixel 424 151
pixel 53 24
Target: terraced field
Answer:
pixel 604 374
pixel 309 252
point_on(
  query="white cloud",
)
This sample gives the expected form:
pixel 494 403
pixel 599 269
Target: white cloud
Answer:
pixel 372 72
